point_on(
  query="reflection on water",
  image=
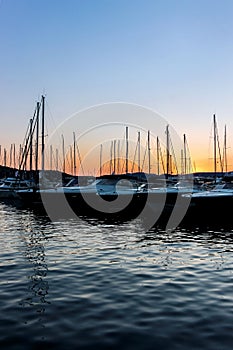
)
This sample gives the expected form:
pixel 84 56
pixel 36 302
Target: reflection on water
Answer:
pixel 85 283
pixel 34 244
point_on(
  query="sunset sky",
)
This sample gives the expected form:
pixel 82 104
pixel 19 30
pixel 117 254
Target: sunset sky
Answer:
pixel 174 57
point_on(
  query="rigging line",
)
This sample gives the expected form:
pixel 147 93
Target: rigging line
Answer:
pixel 189 154
pixel 134 158
pixel 162 160
pixel 174 156
pixel 144 158
pixel 80 159
pixel 28 128
pixel 219 152
pixel 27 143
pixel 52 120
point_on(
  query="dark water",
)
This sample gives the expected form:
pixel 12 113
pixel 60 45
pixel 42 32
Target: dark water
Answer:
pixel 83 284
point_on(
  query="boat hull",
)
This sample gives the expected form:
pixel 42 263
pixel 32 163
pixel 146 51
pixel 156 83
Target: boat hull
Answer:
pixel 151 207
pixel 158 207
pixel 8 194
pixel 210 210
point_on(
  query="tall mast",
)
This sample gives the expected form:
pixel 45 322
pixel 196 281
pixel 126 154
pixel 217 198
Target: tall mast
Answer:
pixel 37 136
pixel 215 148
pixel 101 153
pixel 14 165
pixel 30 145
pixel 168 152
pixel 4 161
pixel 118 156
pixel 56 159
pixel 74 160
pixel 63 154
pixel 71 160
pixel 42 135
pixel 157 142
pixel 139 151
pixel 114 156
pixel 127 150
pixel 148 144
pixel 225 148
pixel 110 168
pixel 11 156
pixel 185 155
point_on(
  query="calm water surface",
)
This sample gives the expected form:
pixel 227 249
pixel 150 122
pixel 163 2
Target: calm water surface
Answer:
pixel 82 284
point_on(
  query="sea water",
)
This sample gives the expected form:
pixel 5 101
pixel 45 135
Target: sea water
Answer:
pixel 88 283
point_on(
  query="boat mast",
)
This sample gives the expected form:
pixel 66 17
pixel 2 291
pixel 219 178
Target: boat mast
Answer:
pixel 110 167
pixel 215 148
pixel 148 144
pixel 14 162
pixel 139 151
pixel 157 143
pixel 74 160
pixel 101 153
pixel 168 152
pixel 63 154
pixel 56 159
pixel 185 155
pixel 127 150
pixel 114 156
pixel 37 135
pixel 30 145
pixel 71 160
pixel 4 157
pixel 10 155
pixel 225 148
pixel 42 135
pixel 20 156
pixel 118 156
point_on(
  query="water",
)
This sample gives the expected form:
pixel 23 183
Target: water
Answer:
pixel 83 284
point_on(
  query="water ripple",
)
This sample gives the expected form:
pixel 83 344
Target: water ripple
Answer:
pixel 84 284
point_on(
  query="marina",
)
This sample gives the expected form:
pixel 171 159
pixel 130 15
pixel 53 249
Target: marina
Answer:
pixel 116 175
pixel 172 195
pixel 123 259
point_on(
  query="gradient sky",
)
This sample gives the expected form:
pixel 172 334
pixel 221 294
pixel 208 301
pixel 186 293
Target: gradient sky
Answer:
pixel 174 56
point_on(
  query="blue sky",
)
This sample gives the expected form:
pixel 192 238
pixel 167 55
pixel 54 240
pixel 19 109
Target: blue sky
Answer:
pixel 172 56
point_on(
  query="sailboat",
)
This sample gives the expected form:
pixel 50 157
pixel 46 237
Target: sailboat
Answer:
pixel 10 185
pixel 216 203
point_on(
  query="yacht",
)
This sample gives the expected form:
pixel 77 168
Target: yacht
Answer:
pixel 215 204
pixel 10 185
